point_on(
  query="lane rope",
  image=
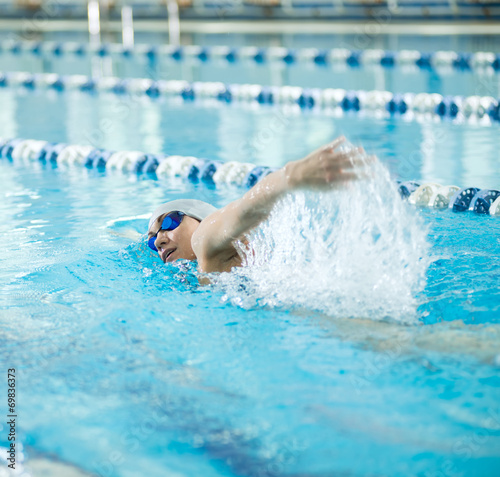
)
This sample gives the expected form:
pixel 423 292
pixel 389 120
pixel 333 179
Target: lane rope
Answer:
pixel 421 106
pixel 432 61
pixel 245 175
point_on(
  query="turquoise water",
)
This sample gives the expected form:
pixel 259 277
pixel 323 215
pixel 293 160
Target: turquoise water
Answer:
pixel 398 80
pixel 125 364
pixel 466 155
pixel 442 80
pixel 128 367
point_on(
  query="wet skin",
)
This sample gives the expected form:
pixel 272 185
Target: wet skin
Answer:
pixel 175 244
pixel 211 241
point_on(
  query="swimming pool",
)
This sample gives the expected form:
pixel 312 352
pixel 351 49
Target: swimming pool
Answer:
pixel 127 367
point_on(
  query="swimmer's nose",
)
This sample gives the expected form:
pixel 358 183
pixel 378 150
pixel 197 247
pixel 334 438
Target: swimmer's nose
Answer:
pixel 161 240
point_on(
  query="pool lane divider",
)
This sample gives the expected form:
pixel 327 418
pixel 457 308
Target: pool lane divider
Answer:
pixel 421 106
pixel 218 173
pixel 431 61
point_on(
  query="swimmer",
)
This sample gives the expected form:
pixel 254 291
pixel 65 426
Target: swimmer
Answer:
pixel 194 230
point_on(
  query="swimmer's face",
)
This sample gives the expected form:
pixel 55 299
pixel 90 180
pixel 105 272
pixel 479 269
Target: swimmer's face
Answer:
pixel 175 244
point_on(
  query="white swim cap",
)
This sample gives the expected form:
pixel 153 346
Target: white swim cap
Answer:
pixel 192 207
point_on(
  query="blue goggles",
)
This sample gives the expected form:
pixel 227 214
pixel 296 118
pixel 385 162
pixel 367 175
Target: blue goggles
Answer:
pixel 170 222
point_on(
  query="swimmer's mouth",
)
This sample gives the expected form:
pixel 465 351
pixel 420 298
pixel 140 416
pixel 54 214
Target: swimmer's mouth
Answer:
pixel 167 254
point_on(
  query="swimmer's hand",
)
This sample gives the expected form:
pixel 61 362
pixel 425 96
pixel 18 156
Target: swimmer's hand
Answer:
pixel 328 167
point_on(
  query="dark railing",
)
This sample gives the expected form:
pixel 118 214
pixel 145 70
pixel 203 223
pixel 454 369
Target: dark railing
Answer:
pixel 405 10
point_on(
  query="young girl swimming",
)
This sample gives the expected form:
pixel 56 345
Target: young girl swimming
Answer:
pixel 194 230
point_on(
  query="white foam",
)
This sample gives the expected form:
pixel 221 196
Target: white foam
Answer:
pixel 356 252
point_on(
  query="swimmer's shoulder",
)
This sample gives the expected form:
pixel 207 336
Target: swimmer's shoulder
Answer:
pixel 213 246
pixel 219 263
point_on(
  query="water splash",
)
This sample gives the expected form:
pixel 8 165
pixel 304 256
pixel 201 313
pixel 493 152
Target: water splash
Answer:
pixel 356 252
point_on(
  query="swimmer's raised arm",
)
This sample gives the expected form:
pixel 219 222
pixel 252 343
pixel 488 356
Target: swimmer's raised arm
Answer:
pixel 325 168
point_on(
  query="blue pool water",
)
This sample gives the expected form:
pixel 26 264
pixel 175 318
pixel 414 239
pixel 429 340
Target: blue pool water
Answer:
pixel 446 81
pixel 462 154
pixel 399 79
pixel 125 364
pixel 128 367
